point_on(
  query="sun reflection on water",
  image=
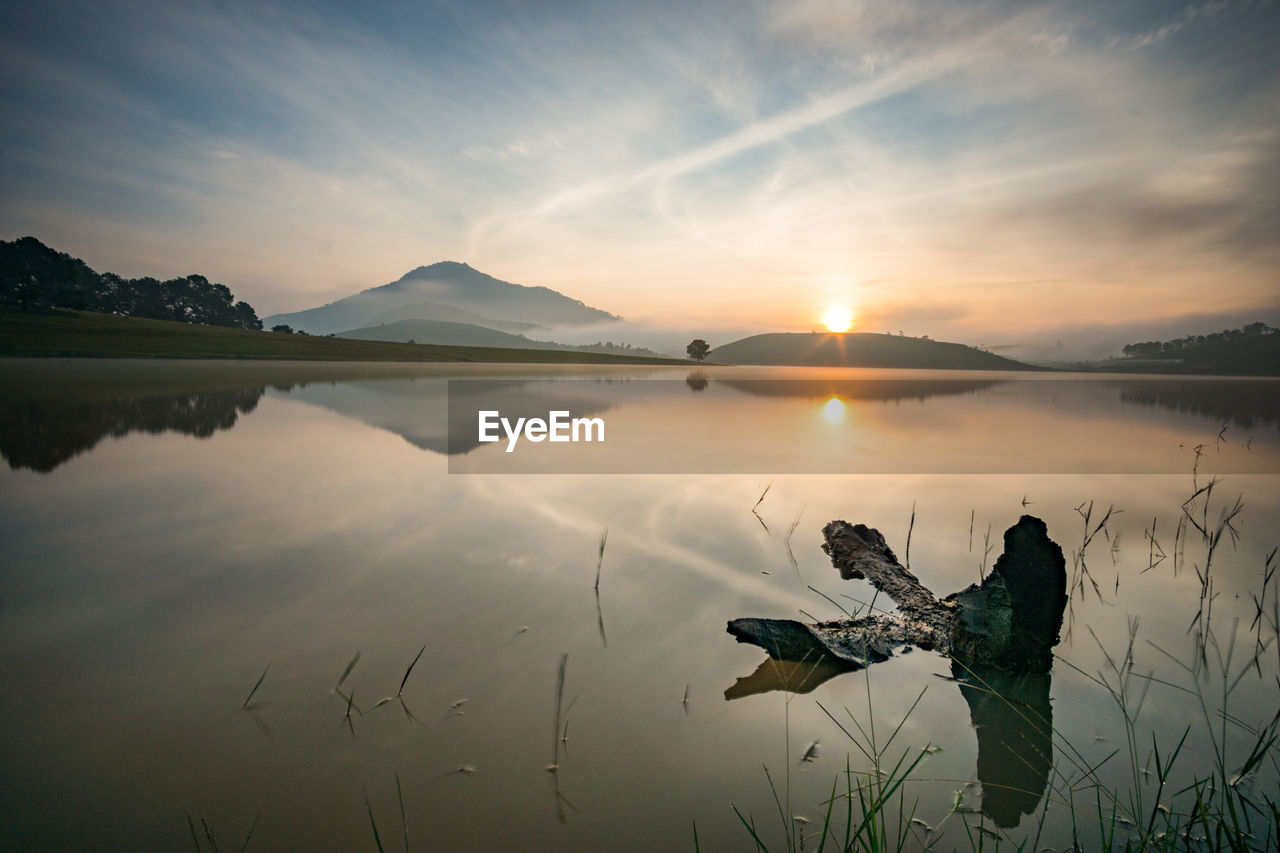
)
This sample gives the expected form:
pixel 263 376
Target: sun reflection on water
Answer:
pixel 833 410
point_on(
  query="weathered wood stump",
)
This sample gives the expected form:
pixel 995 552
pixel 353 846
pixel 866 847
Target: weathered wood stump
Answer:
pixel 1010 622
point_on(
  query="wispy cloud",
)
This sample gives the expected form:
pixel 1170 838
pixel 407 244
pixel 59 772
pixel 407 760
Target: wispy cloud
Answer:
pixel 1208 10
pixel 732 166
pixel 758 133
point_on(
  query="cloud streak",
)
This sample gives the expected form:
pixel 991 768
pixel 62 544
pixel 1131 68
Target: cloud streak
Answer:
pixel 697 168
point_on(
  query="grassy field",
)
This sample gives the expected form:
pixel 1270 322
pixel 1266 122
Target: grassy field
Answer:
pixel 82 334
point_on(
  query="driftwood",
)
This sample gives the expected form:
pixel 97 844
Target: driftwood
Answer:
pixel 1010 622
pixel 999 635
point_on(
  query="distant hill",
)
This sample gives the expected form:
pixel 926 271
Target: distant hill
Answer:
pixel 471 335
pixel 449 314
pixel 59 333
pixel 858 349
pixel 453 284
pixel 1253 350
pixel 444 333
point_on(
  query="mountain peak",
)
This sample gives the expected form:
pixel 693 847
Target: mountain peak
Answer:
pixel 455 286
pixel 438 269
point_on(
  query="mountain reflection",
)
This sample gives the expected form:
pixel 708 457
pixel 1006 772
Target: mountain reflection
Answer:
pixel 52 410
pixel 40 435
pixel 441 417
pixel 1011 714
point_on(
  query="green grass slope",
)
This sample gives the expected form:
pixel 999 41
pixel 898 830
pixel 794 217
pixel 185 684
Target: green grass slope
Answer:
pixel 83 334
pixel 859 350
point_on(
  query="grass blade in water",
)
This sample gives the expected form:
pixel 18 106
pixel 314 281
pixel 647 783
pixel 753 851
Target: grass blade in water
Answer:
pixel 256 685
pixel 373 823
pixel 604 537
pixel 555 731
pixel 347 671
pixel 405 680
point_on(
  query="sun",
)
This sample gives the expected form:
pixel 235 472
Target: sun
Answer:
pixel 838 319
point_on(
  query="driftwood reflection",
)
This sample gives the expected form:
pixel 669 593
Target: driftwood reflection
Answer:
pixel 1011 714
pixel 1014 721
pixel 790 675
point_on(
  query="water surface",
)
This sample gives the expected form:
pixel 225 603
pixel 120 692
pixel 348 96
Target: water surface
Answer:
pixel 170 530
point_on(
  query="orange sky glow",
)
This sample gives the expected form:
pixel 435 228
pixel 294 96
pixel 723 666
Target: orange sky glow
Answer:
pixel 989 172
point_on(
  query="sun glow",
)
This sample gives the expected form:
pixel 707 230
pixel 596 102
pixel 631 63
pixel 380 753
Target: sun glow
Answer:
pixel 833 410
pixel 838 319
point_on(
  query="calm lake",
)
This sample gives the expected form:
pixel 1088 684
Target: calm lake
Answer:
pixel 169 531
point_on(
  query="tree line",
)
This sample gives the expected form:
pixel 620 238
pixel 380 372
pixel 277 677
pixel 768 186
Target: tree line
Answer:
pixel 1180 346
pixel 609 347
pixel 32 276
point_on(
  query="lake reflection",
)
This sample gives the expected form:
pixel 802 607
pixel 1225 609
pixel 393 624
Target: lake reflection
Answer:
pixel 740 421
pixel 41 434
pixel 171 530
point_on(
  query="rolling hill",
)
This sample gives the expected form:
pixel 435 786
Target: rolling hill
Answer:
pixel 455 285
pixel 59 333
pixel 449 314
pixel 859 350
pixel 444 333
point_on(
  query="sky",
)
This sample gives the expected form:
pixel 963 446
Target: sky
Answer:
pixel 995 173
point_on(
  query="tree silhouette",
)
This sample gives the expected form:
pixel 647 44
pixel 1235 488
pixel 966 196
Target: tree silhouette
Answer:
pixel 698 349
pixel 32 275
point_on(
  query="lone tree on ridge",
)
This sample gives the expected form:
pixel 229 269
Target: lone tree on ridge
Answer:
pixel 698 349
